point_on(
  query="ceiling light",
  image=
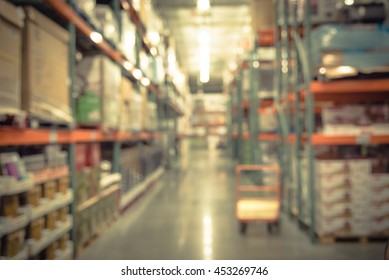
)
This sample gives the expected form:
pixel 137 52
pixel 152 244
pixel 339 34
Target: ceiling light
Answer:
pixel 127 65
pixel 203 5
pixel 96 37
pixel 145 81
pixel 349 2
pixel 137 73
pixel 256 64
pixel 322 70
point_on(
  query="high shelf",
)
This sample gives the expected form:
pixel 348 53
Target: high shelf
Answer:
pixel 324 139
pixel 107 167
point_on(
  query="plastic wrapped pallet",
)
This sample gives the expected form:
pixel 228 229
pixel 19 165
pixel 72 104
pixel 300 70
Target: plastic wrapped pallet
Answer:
pixel 136 110
pixel 125 105
pixel 102 78
pixel 45 88
pixel 11 23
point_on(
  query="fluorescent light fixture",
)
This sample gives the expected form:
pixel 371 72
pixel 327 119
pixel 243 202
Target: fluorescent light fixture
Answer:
pixel 137 74
pixel 203 5
pixel 204 77
pixel 154 37
pixel 127 65
pixel 96 37
pixel 145 81
pixel 349 2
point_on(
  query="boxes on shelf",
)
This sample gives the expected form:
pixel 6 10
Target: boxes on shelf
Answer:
pixel 63 185
pixel 101 77
pixel 45 91
pixel 63 214
pixel 9 205
pixel 49 252
pixel 13 243
pixel 34 163
pixel 125 107
pixel 63 241
pixel 32 197
pixel 35 229
pixel 49 190
pixel 50 220
pixel 355 120
pixel 11 165
pixel 136 110
pixel 11 24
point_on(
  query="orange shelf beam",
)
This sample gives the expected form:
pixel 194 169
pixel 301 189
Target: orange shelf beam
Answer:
pixel 321 139
pixel 351 90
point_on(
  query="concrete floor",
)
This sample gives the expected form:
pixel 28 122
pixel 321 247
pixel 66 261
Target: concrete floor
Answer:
pixel 189 214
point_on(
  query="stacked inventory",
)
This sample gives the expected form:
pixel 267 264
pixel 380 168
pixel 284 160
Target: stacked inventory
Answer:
pixel 36 204
pixel 340 178
pixel 97 193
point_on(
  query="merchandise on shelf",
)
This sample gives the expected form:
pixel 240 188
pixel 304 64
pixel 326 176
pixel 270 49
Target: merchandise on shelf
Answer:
pixel 355 119
pixel 363 11
pixel 347 50
pixel 87 7
pixel 125 105
pixel 151 121
pixel 45 91
pixel 136 109
pixel 128 39
pixel 267 120
pixel 321 11
pixel 13 243
pixel 11 24
pixel 351 199
pixel 12 166
pixel 98 76
pixel 106 22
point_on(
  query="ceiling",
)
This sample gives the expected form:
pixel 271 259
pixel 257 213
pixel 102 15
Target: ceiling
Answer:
pixel 227 26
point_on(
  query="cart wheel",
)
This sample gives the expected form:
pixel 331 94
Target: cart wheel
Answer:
pixel 243 228
pixel 269 227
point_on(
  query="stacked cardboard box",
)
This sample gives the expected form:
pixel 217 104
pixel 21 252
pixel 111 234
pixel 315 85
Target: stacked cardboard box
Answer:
pixel 355 119
pixel 11 24
pixel 351 200
pixel 45 87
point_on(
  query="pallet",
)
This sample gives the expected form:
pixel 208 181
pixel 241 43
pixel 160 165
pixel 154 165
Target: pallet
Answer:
pixel 328 239
pixel 13 119
pixel 40 123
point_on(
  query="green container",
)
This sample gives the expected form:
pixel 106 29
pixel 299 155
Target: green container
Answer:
pixel 88 109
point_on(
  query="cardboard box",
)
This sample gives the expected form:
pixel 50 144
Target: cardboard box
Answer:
pixel 126 97
pixel 63 185
pixel 63 242
pixel 50 220
pixel 45 89
pixel 13 243
pixel 63 214
pixel 11 23
pixel 262 14
pixel 9 206
pixel 32 197
pixel 35 229
pixel 49 189
pixel 49 253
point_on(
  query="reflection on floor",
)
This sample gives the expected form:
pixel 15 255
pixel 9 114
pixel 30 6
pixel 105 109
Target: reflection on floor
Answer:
pixel 189 214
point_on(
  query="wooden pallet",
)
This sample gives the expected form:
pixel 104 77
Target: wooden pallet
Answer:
pixel 13 119
pixel 41 123
pixel 329 239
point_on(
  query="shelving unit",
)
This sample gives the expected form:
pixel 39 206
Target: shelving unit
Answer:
pixel 306 192
pixel 83 35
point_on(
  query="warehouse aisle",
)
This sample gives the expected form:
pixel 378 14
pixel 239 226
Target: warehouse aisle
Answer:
pixel 189 214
